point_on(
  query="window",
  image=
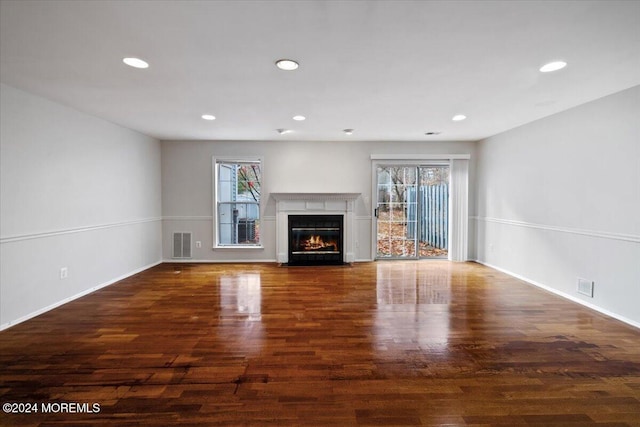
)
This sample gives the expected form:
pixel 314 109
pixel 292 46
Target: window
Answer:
pixel 237 206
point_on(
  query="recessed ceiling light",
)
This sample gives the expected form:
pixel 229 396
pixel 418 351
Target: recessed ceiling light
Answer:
pixel 348 131
pixel 208 117
pixel 553 66
pixel 458 117
pixel 135 62
pixel 299 118
pixel 286 64
pixel 283 131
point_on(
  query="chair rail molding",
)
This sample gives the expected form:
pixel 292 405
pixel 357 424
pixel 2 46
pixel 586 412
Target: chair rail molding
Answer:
pixel 583 232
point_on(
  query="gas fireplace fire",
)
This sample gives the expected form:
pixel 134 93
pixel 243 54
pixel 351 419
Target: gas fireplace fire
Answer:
pixel 317 244
pixel 315 239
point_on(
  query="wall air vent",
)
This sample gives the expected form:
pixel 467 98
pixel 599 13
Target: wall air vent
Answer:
pixel 182 245
pixel 585 287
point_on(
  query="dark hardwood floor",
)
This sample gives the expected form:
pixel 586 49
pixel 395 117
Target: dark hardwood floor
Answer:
pixel 386 343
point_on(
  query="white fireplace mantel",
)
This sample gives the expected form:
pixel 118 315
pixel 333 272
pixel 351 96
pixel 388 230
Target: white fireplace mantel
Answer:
pixel 315 196
pixel 314 204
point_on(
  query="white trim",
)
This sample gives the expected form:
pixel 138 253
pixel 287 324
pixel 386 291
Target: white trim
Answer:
pixel 232 248
pixel 218 261
pixel 53 233
pixel 420 157
pixel 458 199
pixel 187 218
pixel 240 159
pixel 206 218
pixel 315 196
pixel 591 233
pixel 214 180
pixel 315 204
pixel 563 295
pixel 74 297
pixel 234 261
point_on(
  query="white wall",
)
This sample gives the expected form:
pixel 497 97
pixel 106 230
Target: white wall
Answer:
pixel 555 200
pixel 76 192
pixel 559 199
pixel 289 166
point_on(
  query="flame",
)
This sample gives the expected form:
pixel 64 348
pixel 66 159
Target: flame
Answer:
pixel 316 242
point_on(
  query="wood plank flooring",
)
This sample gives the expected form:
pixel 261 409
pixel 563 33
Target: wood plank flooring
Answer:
pixel 385 343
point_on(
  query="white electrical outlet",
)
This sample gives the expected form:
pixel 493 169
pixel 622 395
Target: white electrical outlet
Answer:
pixel 198 244
pixel 64 273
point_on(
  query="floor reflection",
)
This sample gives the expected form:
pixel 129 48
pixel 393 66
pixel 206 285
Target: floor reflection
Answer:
pixel 421 282
pixel 240 328
pixel 413 316
pixel 241 295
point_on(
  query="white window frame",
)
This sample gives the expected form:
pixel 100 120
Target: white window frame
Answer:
pixel 216 231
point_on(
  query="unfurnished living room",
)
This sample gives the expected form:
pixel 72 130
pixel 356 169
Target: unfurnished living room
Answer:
pixel 327 213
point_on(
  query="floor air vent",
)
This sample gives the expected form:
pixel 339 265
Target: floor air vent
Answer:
pixel 181 245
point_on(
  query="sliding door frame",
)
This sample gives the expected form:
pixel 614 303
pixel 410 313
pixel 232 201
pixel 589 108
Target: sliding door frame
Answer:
pixel 376 207
pixel 458 204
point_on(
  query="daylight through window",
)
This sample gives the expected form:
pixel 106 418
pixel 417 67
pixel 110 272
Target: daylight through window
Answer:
pixel 238 185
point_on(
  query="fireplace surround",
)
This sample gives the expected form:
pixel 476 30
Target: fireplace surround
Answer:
pixel 341 204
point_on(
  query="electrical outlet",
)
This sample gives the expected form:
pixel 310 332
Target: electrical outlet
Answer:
pixel 64 273
pixel 198 244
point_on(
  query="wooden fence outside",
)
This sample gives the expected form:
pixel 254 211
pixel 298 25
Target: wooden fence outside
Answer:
pixel 434 221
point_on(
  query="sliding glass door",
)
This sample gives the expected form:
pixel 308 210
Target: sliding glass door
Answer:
pixel 396 219
pixel 412 211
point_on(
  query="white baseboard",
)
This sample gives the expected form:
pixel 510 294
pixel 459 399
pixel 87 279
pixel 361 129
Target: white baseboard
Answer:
pixel 217 261
pixel 563 295
pixel 74 297
pixel 232 261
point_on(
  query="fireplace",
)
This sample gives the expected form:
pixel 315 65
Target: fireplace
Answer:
pixel 315 204
pixel 315 239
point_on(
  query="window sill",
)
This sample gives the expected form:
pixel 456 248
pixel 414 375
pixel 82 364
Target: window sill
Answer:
pixel 239 247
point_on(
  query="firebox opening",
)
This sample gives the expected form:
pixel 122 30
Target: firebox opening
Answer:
pixel 315 239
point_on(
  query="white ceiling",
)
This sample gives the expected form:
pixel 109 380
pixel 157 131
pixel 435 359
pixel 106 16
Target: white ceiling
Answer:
pixel 392 70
